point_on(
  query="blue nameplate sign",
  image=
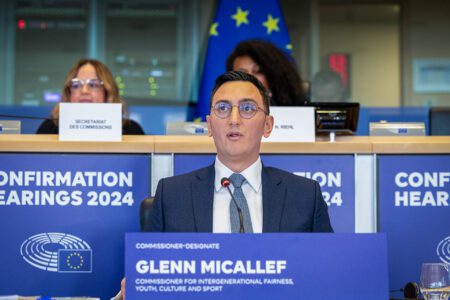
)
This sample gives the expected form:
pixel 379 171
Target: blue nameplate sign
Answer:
pixel 256 266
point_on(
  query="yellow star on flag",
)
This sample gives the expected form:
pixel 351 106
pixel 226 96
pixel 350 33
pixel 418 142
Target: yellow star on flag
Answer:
pixel 213 29
pixel 289 46
pixel 271 24
pixel 240 16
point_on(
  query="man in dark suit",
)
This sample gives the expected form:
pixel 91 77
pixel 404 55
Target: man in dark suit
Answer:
pixel 270 200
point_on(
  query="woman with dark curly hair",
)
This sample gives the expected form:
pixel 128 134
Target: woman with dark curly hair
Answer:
pixel 274 68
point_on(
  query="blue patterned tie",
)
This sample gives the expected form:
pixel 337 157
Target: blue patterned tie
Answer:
pixel 237 180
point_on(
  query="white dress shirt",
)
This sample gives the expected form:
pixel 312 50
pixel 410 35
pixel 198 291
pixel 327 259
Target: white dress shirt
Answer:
pixel 221 207
pixel 252 190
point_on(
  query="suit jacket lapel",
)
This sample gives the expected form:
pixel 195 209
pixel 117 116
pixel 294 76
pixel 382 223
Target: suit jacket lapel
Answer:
pixel 273 200
pixel 202 198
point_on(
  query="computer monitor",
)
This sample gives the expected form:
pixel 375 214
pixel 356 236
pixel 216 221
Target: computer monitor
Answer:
pixel 336 117
pixel 440 121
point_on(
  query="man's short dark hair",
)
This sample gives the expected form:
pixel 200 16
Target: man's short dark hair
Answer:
pixel 231 76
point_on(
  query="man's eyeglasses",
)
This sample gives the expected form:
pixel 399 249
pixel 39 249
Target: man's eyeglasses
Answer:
pixel 247 109
pixel 77 84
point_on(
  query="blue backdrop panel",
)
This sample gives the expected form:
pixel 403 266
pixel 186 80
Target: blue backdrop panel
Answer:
pixel 185 163
pixel 335 174
pixel 414 211
pixel 63 219
pixel 291 266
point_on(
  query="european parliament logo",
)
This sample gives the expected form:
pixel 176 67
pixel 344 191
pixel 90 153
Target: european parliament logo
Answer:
pixel 443 250
pixel 57 252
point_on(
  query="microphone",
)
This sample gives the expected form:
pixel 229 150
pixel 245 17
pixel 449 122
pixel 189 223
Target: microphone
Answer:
pixel 225 182
pixel 24 117
pixel 410 291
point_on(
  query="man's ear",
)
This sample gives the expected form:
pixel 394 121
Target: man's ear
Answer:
pixel 268 126
pixel 208 122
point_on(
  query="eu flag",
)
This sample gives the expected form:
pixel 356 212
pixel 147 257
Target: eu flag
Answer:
pixel 75 260
pixel 235 21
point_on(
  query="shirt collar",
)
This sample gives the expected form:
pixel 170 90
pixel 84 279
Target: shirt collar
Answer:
pixel 252 174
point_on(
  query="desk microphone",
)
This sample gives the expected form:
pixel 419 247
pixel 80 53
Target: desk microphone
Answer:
pixel 410 291
pixel 24 117
pixel 225 182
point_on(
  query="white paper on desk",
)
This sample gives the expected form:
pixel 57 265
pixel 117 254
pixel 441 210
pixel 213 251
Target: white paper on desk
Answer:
pixel 90 122
pixel 292 124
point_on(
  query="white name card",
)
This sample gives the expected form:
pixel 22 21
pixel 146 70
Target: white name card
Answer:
pixel 292 124
pixel 90 122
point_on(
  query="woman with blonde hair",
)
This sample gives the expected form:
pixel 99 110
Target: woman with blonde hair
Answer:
pixel 90 81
